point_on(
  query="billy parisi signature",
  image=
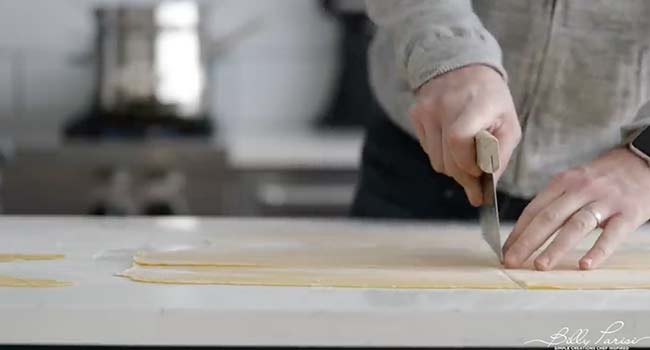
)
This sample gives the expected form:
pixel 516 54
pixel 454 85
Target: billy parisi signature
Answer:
pixel 581 337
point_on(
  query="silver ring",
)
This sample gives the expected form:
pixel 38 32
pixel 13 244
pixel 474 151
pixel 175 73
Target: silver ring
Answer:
pixel 595 214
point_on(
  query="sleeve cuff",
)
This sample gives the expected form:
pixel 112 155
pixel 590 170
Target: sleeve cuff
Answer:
pixel 424 65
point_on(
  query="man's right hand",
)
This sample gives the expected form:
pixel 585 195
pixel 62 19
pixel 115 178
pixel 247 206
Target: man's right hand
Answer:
pixel 451 109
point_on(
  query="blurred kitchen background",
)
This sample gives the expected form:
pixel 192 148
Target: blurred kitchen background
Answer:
pixel 215 107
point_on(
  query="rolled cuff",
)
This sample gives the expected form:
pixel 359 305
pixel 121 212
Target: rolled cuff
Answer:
pixel 426 65
pixel 640 122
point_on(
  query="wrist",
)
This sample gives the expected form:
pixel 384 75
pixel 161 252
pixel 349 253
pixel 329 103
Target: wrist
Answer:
pixel 635 161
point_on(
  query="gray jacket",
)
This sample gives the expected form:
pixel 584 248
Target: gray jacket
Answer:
pixel 578 70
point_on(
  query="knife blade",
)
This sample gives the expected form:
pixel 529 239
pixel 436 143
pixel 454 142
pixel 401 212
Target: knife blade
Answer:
pixel 487 158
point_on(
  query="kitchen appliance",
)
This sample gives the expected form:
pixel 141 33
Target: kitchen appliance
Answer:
pixel 150 73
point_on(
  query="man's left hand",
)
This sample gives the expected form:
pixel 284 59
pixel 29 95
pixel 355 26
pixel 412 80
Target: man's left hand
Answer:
pixel 612 192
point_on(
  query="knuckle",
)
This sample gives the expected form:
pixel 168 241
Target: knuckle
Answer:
pixel 588 183
pixel 577 182
pixel 591 187
pixel 549 216
pixel 580 173
pixel 560 179
pixel 582 223
pixel 447 100
pixel 602 250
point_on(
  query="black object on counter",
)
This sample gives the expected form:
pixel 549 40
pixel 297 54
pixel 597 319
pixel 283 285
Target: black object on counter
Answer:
pixel 136 125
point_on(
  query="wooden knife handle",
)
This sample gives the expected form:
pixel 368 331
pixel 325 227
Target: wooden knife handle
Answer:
pixel 487 152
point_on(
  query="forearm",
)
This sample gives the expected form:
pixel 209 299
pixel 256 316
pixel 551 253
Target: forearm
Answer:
pixel 434 37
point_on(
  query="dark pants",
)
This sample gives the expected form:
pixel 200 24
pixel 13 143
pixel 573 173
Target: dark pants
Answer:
pixel 397 181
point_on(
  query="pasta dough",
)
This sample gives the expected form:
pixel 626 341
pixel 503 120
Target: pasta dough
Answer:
pixel 628 268
pixel 15 257
pixel 9 281
pixel 479 278
pixel 399 261
pixel 573 279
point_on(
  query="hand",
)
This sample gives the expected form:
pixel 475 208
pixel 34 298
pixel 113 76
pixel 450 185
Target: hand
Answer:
pixel 615 187
pixel 451 109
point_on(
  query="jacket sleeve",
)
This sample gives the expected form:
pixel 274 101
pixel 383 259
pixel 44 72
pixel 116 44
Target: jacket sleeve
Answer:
pixel 641 121
pixel 432 37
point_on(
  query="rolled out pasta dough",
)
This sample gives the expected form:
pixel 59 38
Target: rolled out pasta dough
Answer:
pixel 478 278
pixel 10 281
pixel 455 260
pixel 15 257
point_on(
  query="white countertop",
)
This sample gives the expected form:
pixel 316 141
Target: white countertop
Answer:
pixel 107 310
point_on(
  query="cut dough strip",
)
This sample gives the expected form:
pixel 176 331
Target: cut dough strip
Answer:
pixel 10 281
pixel 575 279
pixel 477 278
pixel 391 261
pixel 28 257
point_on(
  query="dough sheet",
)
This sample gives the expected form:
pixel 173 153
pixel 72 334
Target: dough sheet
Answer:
pixel 9 281
pixel 428 261
pixel 28 257
pixel 12 281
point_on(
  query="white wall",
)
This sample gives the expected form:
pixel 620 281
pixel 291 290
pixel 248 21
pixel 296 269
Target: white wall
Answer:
pixel 282 76
pixel 278 78
pixel 39 42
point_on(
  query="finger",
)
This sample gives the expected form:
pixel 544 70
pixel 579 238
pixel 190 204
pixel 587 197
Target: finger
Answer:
pixel 435 148
pixel 419 129
pixel 429 137
pixel 542 227
pixel 470 184
pixel 541 201
pixel 613 234
pixel 570 234
pixel 474 117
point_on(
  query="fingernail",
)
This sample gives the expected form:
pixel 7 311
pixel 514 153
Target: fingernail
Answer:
pixel 541 263
pixel 586 263
pixel 509 261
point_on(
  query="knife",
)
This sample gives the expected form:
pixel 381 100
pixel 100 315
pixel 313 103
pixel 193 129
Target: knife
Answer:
pixel 487 159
